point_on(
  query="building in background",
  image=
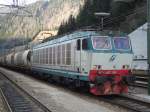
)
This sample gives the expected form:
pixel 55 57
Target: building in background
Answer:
pixel 42 35
pixel 139 45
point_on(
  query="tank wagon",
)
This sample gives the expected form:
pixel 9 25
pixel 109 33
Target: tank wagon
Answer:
pixel 20 60
pixel 83 58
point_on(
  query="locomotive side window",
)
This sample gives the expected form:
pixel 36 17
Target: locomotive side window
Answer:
pixel 33 60
pixel 78 44
pixel 38 56
pixel 35 56
pixel 43 56
pixel 84 44
pixel 58 54
pixel 46 55
pixel 54 56
pixel 68 54
pixel 50 55
pixel 63 54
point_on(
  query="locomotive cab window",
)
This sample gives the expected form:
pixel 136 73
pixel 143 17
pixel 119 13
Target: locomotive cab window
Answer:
pixel 121 43
pixel 84 44
pixel 101 43
pixel 78 44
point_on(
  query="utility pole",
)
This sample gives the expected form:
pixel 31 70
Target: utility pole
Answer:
pixel 15 2
pixel 148 41
pixel 102 15
pixel 15 5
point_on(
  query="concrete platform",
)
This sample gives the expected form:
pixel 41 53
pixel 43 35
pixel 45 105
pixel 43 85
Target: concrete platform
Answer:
pixel 59 99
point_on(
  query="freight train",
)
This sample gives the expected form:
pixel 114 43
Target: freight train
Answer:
pixel 83 58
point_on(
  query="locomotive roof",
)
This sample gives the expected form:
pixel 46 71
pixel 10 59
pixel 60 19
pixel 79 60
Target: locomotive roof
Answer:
pixel 74 35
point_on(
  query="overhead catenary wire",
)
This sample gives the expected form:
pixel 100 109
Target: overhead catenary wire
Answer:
pixel 15 2
pixel 111 20
pixel 131 12
pixel 17 7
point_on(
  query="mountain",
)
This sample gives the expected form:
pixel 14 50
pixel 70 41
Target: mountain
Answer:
pixel 57 14
pixel 46 15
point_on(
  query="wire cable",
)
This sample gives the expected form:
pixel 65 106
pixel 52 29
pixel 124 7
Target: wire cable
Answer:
pixel 141 10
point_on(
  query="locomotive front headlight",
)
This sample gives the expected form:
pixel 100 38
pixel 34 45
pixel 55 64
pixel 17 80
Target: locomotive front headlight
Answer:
pixel 114 67
pixel 97 67
pixel 125 66
pixel 94 67
pixel 128 66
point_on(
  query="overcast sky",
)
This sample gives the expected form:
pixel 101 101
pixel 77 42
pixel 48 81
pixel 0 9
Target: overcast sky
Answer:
pixel 21 2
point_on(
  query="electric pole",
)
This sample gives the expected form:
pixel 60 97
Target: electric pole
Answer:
pixel 102 15
pixel 15 2
pixel 148 41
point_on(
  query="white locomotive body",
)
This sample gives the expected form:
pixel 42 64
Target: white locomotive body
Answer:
pixel 87 56
pixel 83 58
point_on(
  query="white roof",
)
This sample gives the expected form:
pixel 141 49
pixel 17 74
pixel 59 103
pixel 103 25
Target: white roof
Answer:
pixel 139 42
pixel 139 45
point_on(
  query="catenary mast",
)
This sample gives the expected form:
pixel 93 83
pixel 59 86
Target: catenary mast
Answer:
pixel 148 40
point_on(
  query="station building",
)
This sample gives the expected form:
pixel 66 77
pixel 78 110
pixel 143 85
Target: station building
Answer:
pixel 139 45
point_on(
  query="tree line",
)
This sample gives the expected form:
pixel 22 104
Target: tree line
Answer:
pixel 86 15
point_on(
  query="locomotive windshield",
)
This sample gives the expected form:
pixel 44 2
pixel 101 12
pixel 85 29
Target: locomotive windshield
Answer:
pixel 122 43
pixel 101 43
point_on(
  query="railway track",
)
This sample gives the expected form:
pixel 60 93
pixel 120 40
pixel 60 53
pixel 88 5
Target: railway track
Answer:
pixel 129 103
pixel 5 104
pixel 141 80
pixel 17 99
pixel 122 101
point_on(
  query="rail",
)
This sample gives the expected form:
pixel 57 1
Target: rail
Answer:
pixel 122 101
pixel 129 103
pixel 141 80
pixel 17 98
pixel 5 103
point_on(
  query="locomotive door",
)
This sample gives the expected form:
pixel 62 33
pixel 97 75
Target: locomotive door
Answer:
pixel 81 56
pixel 78 56
pixel 85 56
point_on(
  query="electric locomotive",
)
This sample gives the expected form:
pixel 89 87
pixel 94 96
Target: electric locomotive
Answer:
pixel 86 57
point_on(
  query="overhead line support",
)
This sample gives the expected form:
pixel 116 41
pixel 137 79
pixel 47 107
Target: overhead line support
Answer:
pixel 148 41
